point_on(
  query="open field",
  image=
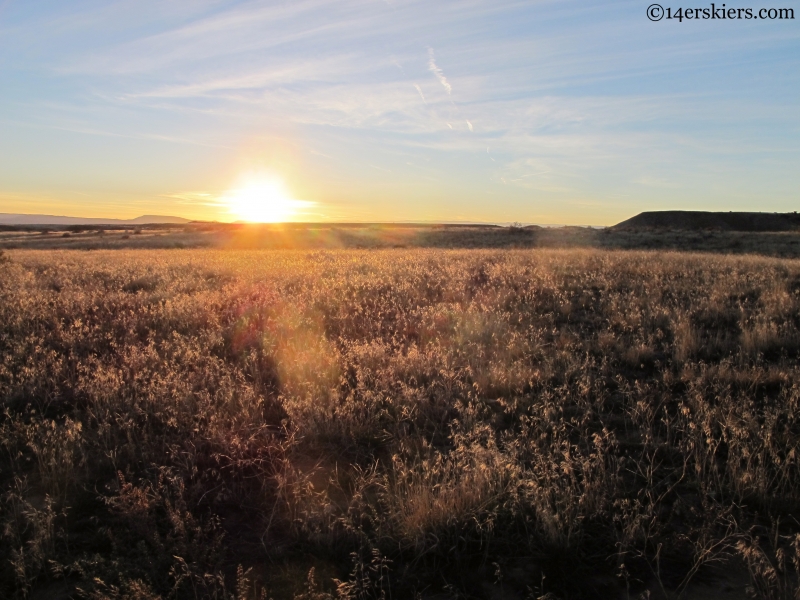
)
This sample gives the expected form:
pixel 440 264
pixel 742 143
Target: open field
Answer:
pixel 343 236
pixel 399 423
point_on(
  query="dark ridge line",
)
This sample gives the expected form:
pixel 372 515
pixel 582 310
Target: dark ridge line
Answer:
pixel 702 220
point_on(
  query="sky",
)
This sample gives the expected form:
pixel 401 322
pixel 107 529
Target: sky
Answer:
pixel 551 111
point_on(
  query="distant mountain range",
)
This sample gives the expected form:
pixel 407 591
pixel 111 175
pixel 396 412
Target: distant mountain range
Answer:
pixel 652 220
pixel 19 219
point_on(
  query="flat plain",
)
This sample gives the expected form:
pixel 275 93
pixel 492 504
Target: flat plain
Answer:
pixel 321 236
pixel 400 422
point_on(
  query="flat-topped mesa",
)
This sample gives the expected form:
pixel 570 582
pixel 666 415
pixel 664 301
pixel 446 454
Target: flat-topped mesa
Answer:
pixel 726 221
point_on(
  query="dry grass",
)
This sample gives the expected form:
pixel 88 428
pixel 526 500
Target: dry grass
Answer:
pixel 295 236
pixel 397 423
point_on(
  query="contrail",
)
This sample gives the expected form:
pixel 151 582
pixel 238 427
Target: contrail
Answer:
pixel 438 72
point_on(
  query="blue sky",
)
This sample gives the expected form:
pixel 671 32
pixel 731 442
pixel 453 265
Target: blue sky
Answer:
pixel 536 111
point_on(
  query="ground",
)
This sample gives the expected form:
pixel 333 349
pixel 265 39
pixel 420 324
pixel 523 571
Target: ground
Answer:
pixel 402 422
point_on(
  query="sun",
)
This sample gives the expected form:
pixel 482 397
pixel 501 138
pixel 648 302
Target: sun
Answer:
pixel 263 199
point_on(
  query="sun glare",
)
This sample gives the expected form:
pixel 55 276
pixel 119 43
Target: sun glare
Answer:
pixel 263 199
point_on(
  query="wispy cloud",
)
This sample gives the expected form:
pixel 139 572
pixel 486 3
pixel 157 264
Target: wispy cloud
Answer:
pixel 305 71
pixel 196 198
pixel 552 87
pixel 438 72
pixel 421 95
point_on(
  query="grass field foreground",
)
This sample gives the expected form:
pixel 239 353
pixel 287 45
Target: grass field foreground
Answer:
pixel 397 423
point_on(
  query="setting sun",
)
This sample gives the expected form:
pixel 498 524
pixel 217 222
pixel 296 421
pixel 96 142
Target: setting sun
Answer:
pixel 263 199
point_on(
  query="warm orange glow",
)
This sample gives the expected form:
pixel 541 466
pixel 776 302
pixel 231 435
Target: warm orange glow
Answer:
pixel 263 199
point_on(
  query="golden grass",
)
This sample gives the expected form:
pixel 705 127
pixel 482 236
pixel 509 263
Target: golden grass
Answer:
pixel 392 423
